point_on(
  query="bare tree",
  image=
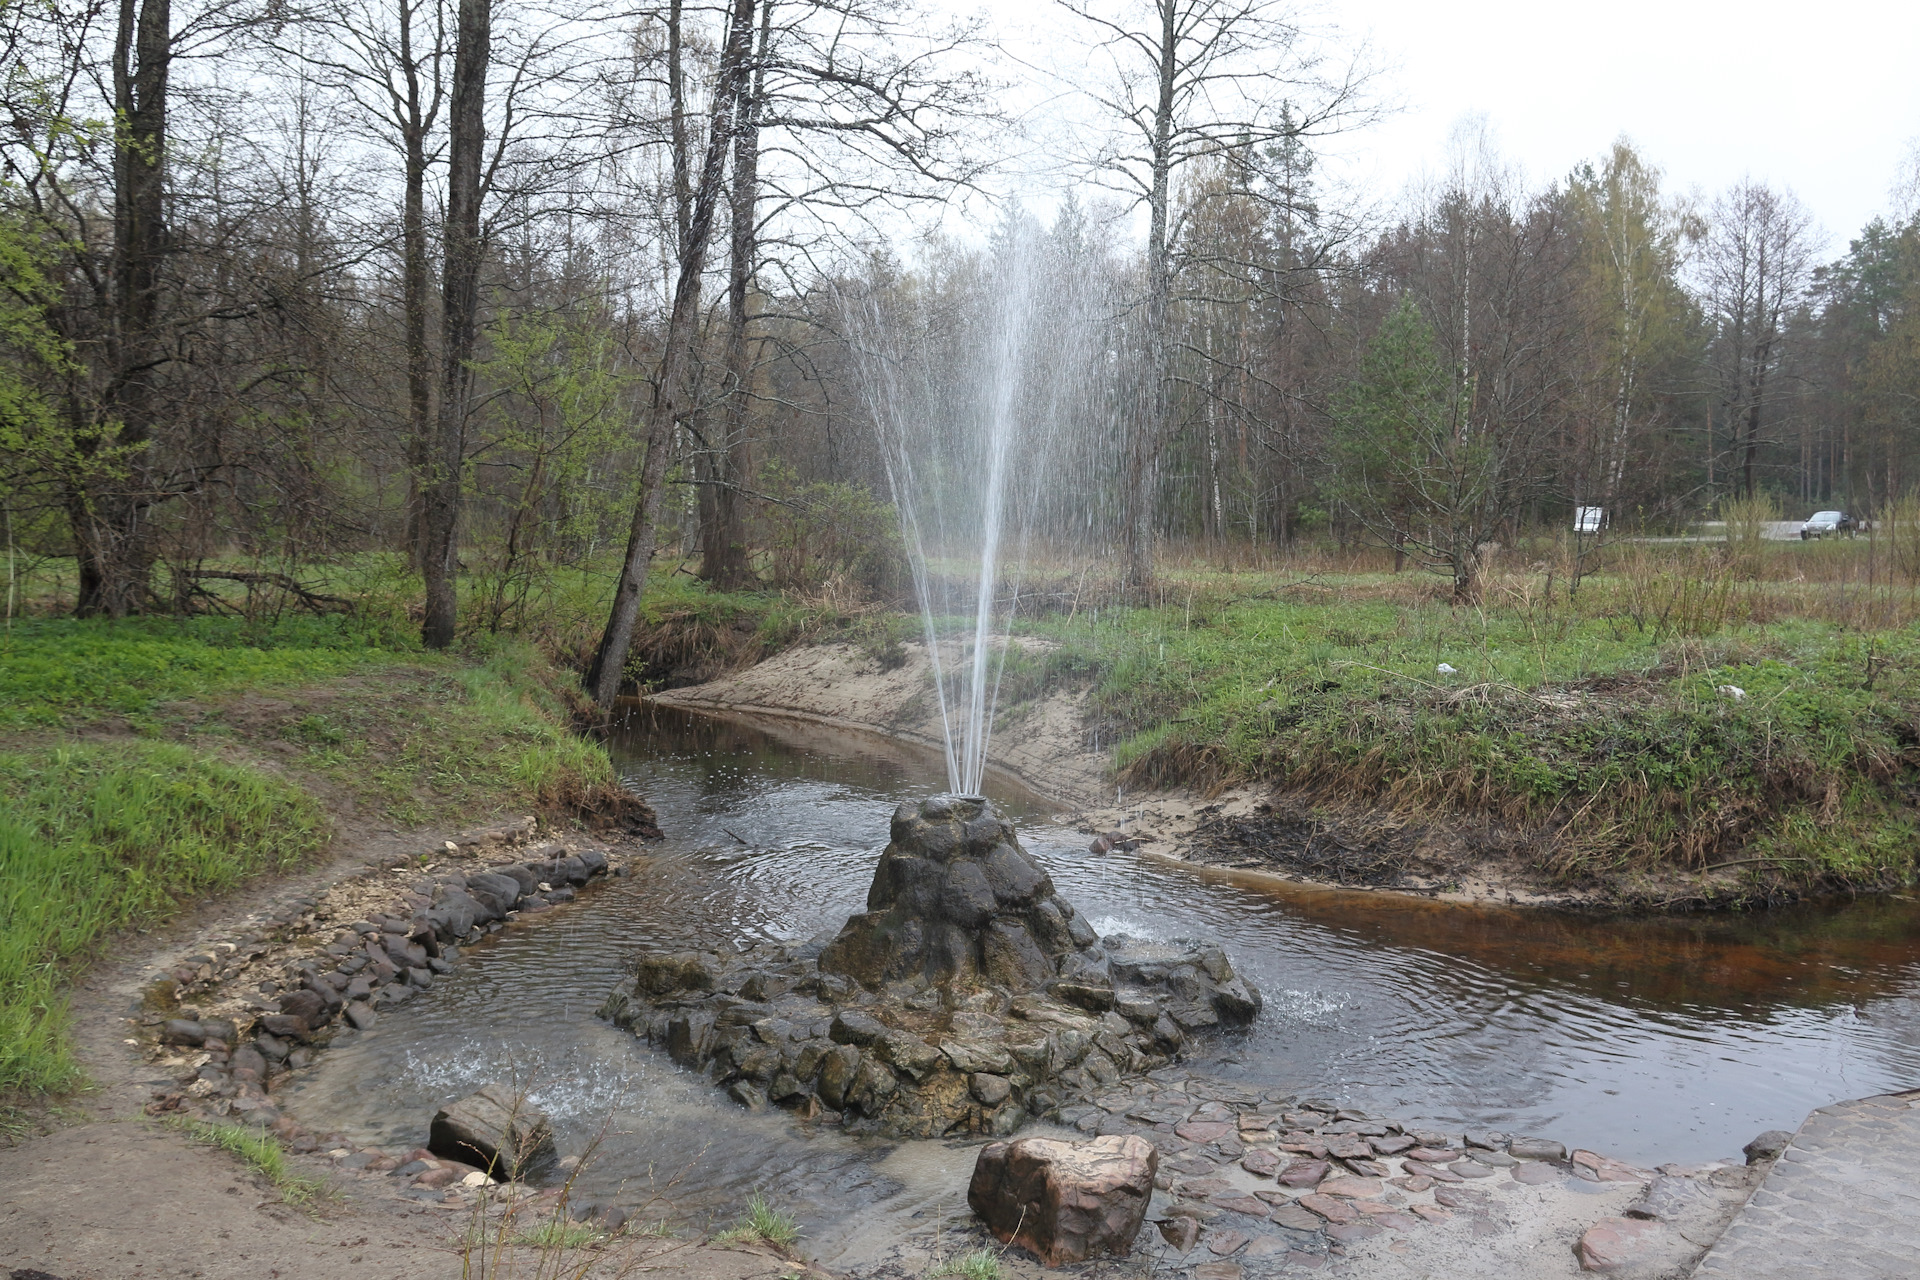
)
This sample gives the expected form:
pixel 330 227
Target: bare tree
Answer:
pixel 1756 262
pixel 1189 80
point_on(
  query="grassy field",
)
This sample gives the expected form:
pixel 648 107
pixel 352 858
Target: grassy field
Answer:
pixel 146 764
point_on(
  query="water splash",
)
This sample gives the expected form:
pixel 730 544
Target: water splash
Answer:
pixel 968 411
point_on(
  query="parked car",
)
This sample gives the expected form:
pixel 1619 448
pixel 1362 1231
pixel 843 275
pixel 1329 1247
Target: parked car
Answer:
pixel 1822 523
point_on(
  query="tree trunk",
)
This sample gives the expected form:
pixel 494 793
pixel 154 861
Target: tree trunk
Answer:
pixel 109 524
pixel 459 308
pixel 670 398
pixel 414 296
pixel 1150 422
pixel 724 538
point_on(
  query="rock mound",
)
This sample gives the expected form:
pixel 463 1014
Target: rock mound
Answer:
pixel 968 997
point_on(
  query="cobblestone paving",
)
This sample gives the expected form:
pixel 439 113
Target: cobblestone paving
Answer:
pixel 1840 1201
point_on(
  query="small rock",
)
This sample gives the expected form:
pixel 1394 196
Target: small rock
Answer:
pixel 1261 1164
pixel 1536 1149
pixel 1181 1232
pixel 360 1016
pixel 1223 1243
pixel 1615 1242
pixel 1767 1146
pixel 1534 1174
pixel 990 1090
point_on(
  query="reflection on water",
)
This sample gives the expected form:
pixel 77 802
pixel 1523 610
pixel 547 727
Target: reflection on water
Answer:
pixel 1649 1039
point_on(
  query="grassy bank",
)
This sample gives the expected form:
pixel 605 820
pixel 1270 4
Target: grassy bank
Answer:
pixel 147 764
pixel 1602 732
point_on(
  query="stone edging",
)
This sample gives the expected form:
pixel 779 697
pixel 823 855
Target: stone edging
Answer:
pixel 232 1022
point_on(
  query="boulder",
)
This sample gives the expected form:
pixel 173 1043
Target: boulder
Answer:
pixel 509 1138
pixel 1065 1201
pixel 955 897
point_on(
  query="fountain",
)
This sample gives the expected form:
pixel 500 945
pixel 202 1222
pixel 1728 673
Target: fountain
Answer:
pixel 967 998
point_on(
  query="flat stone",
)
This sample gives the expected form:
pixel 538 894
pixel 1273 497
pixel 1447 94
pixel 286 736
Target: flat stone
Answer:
pixel 494 1130
pixel 1352 1188
pixel 1294 1218
pixel 1204 1130
pixel 1431 1212
pixel 1459 1197
pixel 1261 1164
pixel 1303 1173
pixel 1600 1168
pixel 1239 1202
pixel 1218 1271
pixel 1471 1169
pixel 1536 1149
pixel 1224 1242
pixel 1612 1243
pixel 1368 1168
pixel 1391 1145
pixel 1352 1232
pixel 1331 1208
pixel 1433 1155
pixel 1667 1198
pixel 1414 1182
pixel 1396 1220
pixel 1439 1173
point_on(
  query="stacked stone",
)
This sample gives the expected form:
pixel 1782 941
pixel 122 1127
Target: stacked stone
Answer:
pixel 968 997
pixel 369 965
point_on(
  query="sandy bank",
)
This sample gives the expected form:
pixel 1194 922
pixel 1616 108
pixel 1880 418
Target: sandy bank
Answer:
pixel 1047 747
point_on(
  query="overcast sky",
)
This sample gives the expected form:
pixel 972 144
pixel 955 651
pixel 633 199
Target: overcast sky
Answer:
pixel 1824 99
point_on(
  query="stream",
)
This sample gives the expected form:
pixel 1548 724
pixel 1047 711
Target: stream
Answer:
pixel 1647 1039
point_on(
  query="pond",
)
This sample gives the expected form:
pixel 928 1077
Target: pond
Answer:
pixel 1648 1039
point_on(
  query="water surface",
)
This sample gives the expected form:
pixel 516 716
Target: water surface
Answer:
pixel 1647 1039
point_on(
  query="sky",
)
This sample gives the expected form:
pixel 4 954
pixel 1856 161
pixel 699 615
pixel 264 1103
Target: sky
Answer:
pixel 1823 99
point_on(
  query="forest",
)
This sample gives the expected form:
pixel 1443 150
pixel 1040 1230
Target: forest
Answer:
pixel 495 307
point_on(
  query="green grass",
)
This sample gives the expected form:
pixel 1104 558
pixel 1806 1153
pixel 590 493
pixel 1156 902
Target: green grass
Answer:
pixel 108 833
pixel 762 1224
pixel 95 839
pixel 1592 723
pixel 980 1264
pixel 557 1234
pixel 265 1154
pixel 69 671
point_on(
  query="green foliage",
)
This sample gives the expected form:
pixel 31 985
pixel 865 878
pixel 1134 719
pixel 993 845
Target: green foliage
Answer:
pixel 264 1153
pixel 559 418
pixel 560 1234
pixel 1406 462
pixel 823 531
pixel 97 838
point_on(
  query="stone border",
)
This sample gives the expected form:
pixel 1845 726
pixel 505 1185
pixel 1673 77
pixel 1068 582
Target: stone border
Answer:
pixel 233 1021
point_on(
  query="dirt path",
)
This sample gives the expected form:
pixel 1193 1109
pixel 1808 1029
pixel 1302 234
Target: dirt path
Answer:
pixel 107 1192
